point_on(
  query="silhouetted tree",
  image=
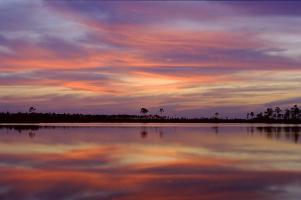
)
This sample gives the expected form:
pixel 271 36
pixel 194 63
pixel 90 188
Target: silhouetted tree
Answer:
pixel 252 115
pixel 259 115
pixel 161 111
pixel 216 115
pixel 277 112
pixel 143 111
pixel 295 112
pixel 32 109
pixel 268 113
pixel 287 114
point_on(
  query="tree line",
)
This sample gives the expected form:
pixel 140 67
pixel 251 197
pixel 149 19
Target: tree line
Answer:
pixel 270 115
pixel 277 114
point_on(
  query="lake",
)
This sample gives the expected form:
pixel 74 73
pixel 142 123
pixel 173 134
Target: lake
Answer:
pixel 150 161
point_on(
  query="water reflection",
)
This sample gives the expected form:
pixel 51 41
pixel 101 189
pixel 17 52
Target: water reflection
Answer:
pixel 205 162
pixel 145 131
pixel 291 133
pixel 215 129
pixel 31 134
pixel 21 128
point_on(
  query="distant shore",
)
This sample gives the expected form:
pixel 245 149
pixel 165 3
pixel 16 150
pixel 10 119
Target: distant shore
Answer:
pixel 86 118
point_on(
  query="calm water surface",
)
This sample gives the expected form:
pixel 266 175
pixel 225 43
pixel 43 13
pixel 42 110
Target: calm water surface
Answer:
pixel 150 161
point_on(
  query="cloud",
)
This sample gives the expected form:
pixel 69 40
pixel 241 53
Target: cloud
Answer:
pixel 285 102
pixel 182 55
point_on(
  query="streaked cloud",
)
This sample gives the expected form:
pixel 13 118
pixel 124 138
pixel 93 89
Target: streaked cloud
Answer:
pixel 181 55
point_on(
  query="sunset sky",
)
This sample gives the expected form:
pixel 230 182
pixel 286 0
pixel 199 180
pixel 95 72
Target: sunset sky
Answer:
pixel 192 58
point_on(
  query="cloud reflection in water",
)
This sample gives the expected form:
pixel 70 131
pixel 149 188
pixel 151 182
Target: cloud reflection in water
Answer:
pixel 149 162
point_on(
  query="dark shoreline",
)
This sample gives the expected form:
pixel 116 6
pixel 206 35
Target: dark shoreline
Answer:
pixel 194 121
pixel 28 118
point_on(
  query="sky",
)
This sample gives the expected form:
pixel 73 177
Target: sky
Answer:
pixel 192 58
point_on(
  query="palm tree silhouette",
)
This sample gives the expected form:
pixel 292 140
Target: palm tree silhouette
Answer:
pixel 287 114
pixel 295 111
pixel 216 115
pixel 143 111
pixel 252 115
pixel 269 113
pixel 161 111
pixel 278 112
pixel 259 115
pixel 32 109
